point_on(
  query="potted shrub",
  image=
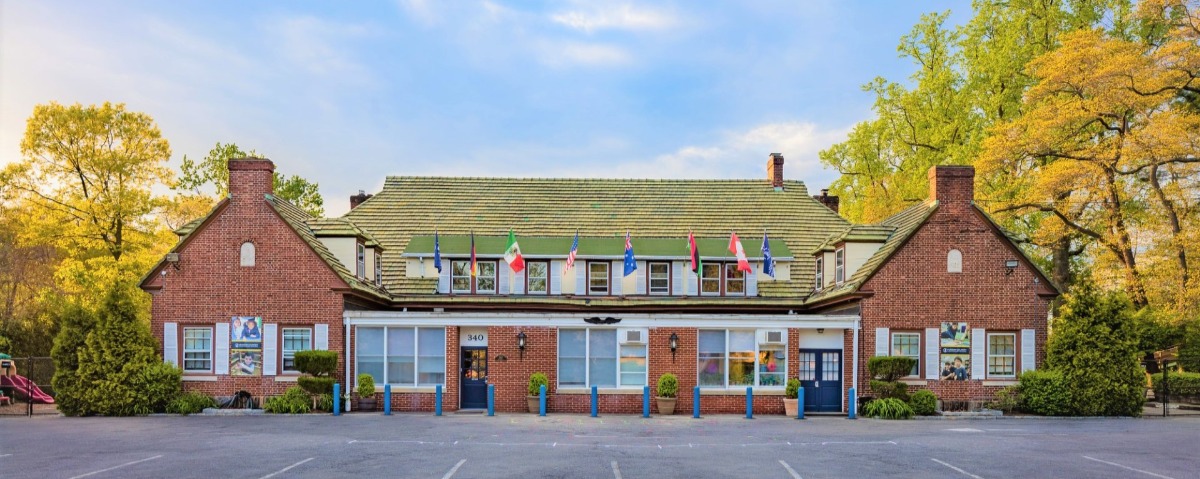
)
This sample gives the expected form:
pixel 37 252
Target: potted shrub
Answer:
pixel 536 381
pixel 791 397
pixel 366 392
pixel 668 386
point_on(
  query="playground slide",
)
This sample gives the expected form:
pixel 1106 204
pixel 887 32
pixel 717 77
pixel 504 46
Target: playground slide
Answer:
pixel 23 386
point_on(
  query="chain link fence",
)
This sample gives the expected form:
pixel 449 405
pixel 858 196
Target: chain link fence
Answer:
pixel 25 387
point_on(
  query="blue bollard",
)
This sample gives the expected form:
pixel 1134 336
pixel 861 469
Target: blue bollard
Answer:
pixel 595 401
pixel 696 402
pixel 800 404
pixel 437 401
pixel 491 399
pixel 645 401
pixel 387 399
pixel 749 402
pixel 542 401
pixel 853 400
pixel 337 399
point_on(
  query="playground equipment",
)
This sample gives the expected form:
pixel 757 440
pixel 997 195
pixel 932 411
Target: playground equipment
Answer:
pixel 20 386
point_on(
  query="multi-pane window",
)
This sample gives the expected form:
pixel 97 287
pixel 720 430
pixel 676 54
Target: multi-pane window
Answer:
pixel 659 278
pixel 403 356
pixel 537 274
pixel 362 262
pixel 722 279
pixel 735 280
pixel 710 278
pixel 728 358
pixel 484 282
pixel 378 269
pixel 294 339
pixel 1002 355
pixel 598 277
pixel 594 357
pixel 839 266
pixel 197 349
pixel 908 345
pixel 820 281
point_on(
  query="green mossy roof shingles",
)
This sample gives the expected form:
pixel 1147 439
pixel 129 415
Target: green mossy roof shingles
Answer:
pixel 416 206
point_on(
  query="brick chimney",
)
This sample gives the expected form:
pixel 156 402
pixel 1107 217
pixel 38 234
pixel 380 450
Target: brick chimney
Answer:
pixel 952 184
pixel 830 202
pixel 358 199
pixel 249 177
pixel 775 170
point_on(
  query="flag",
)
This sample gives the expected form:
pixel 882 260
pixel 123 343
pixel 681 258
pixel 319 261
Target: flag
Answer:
pixel 694 252
pixel 630 262
pixel 437 252
pixel 735 247
pixel 474 263
pixel 574 251
pixel 512 254
pixel 768 261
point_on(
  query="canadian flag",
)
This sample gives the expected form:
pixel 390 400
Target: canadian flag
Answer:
pixel 735 247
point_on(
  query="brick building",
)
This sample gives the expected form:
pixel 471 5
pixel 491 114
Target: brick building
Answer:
pixel 389 287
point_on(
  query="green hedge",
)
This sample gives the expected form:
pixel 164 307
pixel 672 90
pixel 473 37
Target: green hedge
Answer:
pixel 316 385
pixel 293 401
pixel 1183 384
pixel 890 368
pixel 1045 393
pixel 885 389
pixel 924 402
pixel 316 362
pixel 890 408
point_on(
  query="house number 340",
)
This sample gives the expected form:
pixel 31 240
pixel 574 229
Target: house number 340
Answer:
pixel 476 337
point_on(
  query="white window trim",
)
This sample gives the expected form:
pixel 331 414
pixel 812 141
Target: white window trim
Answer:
pixel 416 356
pixel 283 351
pixel 725 280
pixel 474 281
pixel 494 277
pixel 987 366
pixel 183 350
pixel 361 260
pixel 820 276
pixel 378 269
pixel 650 278
pixel 529 278
pixel 720 279
pixel 920 350
pixel 468 276
pixel 839 265
pixel 757 349
pixel 587 361
pixel 608 279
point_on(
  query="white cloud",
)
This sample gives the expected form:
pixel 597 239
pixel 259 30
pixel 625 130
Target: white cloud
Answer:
pixel 619 17
pixel 560 54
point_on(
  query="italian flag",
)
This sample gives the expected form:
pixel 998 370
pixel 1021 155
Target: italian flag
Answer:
pixel 512 254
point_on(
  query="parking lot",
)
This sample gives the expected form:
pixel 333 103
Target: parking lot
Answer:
pixel 467 446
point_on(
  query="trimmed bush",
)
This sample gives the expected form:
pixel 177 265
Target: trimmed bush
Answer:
pixel 1007 400
pixel 885 389
pixel 793 389
pixel 293 401
pixel 1183 384
pixel 536 381
pixel 1045 393
pixel 668 385
pixel 316 385
pixel 316 363
pixel 159 384
pixel 190 403
pixel 924 402
pixel 889 408
pixel 366 386
pixel 890 368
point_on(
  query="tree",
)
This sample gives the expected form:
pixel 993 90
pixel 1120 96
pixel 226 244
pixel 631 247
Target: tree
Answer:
pixel 75 324
pixel 213 171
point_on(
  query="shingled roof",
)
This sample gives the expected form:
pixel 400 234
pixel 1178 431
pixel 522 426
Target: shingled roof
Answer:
pixel 416 206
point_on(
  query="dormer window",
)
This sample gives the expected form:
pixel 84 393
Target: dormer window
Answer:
pixel 820 277
pixel 839 266
pixel 954 261
pixel 378 269
pixel 247 259
pixel 362 261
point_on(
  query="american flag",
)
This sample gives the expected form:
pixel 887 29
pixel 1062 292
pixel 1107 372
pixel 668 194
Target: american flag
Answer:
pixel 571 255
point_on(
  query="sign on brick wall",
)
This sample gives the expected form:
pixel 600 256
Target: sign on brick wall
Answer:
pixel 245 346
pixel 955 348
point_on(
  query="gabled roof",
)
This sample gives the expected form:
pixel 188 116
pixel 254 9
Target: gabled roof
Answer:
pixel 416 206
pixel 860 233
pixel 339 227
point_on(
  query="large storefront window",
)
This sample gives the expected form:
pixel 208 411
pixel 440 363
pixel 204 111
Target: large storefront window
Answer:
pixel 735 358
pixel 595 357
pixel 414 356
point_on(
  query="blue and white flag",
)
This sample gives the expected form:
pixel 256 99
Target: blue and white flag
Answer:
pixel 768 261
pixel 437 252
pixel 630 262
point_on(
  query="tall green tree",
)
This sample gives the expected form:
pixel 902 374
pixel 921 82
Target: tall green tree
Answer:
pixel 75 324
pixel 213 171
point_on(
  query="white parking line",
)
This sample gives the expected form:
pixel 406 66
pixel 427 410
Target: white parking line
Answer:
pixel 118 466
pixel 286 469
pixel 5 455
pixel 956 469
pixel 454 469
pixel 616 470
pixel 1122 466
pixel 790 470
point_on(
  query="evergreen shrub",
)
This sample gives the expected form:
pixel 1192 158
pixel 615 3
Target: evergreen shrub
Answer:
pixel 924 402
pixel 293 401
pixel 536 381
pixel 668 385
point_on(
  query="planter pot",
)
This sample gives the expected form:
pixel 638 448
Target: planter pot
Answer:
pixel 535 404
pixel 666 406
pixel 789 407
pixel 366 404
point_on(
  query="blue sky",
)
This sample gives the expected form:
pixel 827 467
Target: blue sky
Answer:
pixel 347 94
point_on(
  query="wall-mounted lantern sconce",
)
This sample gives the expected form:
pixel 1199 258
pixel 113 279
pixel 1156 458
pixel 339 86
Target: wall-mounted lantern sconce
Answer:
pixel 674 345
pixel 1010 266
pixel 521 343
pixel 173 259
pixel 820 330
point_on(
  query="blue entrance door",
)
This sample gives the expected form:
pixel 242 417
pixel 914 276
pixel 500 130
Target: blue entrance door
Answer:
pixel 474 377
pixel 821 378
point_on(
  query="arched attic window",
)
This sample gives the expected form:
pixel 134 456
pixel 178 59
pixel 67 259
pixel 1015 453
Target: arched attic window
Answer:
pixel 954 261
pixel 247 254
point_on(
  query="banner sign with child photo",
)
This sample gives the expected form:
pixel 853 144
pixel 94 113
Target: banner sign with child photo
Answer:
pixel 245 346
pixel 955 342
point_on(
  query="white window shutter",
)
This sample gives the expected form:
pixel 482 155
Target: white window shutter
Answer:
pixel 641 278
pixel 556 276
pixel 932 338
pixel 581 278
pixel 752 282
pixel 443 285
pixel 503 275
pixel 321 337
pixel 221 359
pixel 1028 350
pixel 617 273
pixel 677 278
pixel 690 284
pixel 171 343
pixel 518 284
pixel 978 353
pixel 269 348
pixel 882 344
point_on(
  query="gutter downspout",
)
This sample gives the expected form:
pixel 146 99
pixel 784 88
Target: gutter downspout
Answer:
pixel 854 367
pixel 346 356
